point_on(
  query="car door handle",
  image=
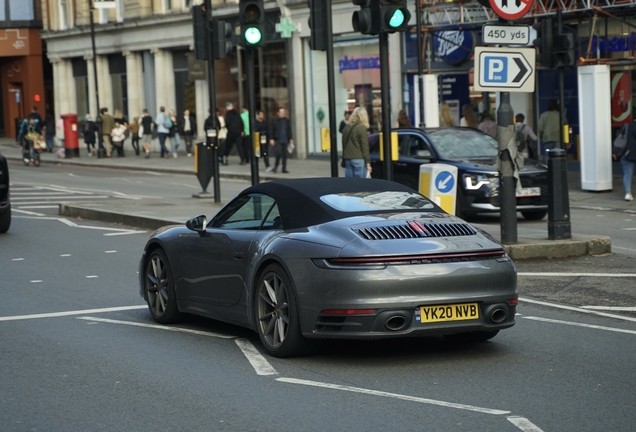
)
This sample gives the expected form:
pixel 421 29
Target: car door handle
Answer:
pixel 238 255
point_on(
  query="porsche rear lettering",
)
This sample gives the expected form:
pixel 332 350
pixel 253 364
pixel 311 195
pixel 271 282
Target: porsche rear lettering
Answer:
pixel 457 312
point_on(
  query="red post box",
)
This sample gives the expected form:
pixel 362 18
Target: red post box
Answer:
pixel 71 133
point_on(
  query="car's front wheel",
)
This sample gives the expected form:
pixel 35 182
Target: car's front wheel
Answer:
pixel 5 220
pixel 534 215
pixel 470 337
pixel 277 320
pixel 160 292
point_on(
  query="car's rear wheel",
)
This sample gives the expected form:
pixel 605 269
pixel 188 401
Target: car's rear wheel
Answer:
pixel 160 292
pixel 5 220
pixel 277 320
pixel 534 215
pixel 470 337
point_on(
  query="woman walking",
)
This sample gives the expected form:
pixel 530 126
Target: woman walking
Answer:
pixel 173 133
pixel 355 145
pixel 188 129
pixel 134 133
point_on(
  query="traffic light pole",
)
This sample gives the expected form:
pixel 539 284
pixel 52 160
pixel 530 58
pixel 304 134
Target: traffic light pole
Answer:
pixel 331 89
pixel 212 96
pixel 251 110
pixel 386 105
pixel 507 196
pixel 420 61
pixel 98 115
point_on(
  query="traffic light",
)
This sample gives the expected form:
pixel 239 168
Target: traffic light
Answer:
pixel 318 25
pixel 564 50
pixel 395 16
pixel 221 39
pixel 252 16
pixel 367 19
pixel 201 33
pixel 544 42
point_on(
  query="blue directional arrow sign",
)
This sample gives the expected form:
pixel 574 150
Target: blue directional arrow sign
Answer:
pixel 504 69
pixel 444 182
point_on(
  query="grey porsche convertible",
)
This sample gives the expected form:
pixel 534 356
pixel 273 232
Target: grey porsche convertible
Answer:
pixel 305 259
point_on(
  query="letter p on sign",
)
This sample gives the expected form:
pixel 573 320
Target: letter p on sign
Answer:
pixel 496 69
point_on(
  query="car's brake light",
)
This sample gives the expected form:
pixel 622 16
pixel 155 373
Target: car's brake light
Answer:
pixel 448 257
pixel 513 302
pixel 347 312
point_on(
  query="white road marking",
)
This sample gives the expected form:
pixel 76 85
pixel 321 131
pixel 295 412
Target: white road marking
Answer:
pixel 158 327
pixel 629 229
pixel 70 313
pixel 392 395
pixel 258 362
pixel 623 248
pixel 124 233
pixel 612 308
pixel 57 198
pixel 110 251
pixel 524 424
pixel 37 281
pixel 92 277
pixel 570 323
pixel 65 255
pixel 17 259
pixel 577 309
pixel 41 207
pixel 13 209
pixel 557 274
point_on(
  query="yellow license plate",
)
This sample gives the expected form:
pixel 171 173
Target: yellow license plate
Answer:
pixel 454 312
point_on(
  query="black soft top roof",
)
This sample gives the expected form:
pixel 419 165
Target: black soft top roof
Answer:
pixel 299 200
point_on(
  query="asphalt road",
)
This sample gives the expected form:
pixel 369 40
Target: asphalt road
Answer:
pixel 80 351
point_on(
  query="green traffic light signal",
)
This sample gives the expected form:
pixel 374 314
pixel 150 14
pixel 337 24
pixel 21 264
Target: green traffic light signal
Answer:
pixel 397 19
pixel 253 35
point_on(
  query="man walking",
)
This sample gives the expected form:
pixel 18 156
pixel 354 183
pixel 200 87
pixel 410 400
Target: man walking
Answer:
pixel 162 130
pixel 235 130
pixel 263 128
pixel 108 123
pixel 550 127
pixel 280 137
pixel 146 138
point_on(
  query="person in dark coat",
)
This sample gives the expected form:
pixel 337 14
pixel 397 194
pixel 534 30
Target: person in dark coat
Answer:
pixel 148 126
pixel 235 131
pixel 187 124
pixel 280 136
pixel 628 160
pixel 49 131
pixel 90 129
pixel 262 128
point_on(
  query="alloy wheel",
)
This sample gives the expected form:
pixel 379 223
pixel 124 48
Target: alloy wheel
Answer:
pixel 273 310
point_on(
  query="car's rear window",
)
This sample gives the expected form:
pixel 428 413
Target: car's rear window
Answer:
pixel 458 144
pixel 377 201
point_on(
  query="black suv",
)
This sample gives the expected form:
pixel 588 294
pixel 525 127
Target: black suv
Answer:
pixel 5 205
pixel 474 154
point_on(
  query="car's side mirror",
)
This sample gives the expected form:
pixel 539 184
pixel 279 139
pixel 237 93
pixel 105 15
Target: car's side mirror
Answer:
pixel 423 154
pixel 197 223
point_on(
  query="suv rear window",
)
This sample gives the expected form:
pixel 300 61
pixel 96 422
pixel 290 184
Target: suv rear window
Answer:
pixel 458 144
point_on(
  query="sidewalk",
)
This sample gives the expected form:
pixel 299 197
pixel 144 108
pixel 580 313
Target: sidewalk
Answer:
pixel 151 214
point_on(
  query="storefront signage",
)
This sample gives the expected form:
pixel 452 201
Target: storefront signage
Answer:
pixel 453 46
pixel 621 98
pixel 614 44
pixel 348 63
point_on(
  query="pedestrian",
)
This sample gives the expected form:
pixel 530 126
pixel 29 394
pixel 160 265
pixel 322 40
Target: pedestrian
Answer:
pixel 222 132
pixel 280 137
pixel 90 130
pixel 550 128
pixel 355 145
pixel 108 123
pixel 235 131
pixel 263 128
pixel 118 135
pixel 468 119
pixel 173 133
pixel 487 124
pixel 446 117
pixel 343 123
pixel 164 124
pixel 60 131
pixel 38 119
pixel 403 119
pixel 245 116
pixel 527 137
pixel 627 157
pixel 147 126
pixel 49 131
pixel 134 127
pixel 188 129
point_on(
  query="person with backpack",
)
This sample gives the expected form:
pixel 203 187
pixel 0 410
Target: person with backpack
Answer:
pixel 164 124
pixel 147 127
pixel 625 151
pixel 527 138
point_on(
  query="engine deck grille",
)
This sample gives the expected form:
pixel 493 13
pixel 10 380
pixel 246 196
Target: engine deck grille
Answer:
pixel 414 229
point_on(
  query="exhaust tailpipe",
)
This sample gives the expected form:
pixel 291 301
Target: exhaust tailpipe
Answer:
pixel 497 315
pixel 395 323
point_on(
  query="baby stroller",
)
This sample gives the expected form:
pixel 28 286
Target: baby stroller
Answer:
pixel 33 144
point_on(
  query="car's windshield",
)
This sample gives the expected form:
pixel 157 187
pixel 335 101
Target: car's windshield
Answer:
pixel 459 144
pixel 377 201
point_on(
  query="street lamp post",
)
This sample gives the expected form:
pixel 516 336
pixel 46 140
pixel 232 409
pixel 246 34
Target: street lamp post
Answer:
pixel 98 117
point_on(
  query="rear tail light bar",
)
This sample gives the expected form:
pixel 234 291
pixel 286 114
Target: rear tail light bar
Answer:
pixel 419 259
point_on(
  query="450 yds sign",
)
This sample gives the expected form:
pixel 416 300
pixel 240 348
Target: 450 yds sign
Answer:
pixel 505 34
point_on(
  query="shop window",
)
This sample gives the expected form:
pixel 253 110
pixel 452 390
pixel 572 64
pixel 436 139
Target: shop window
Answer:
pixel 117 69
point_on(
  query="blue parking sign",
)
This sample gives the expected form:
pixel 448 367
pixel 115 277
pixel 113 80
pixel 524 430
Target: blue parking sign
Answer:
pixel 496 69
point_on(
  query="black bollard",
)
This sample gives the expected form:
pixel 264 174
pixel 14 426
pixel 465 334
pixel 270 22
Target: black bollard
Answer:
pixel 559 226
pixel 204 157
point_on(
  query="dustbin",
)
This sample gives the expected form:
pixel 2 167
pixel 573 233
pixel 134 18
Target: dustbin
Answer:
pixel 71 141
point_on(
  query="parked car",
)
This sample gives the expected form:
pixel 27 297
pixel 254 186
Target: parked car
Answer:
pixel 5 203
pixel 473 153
pixel 328 258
